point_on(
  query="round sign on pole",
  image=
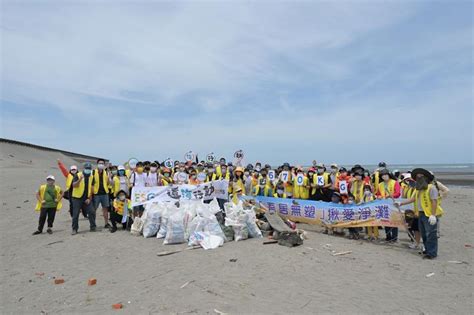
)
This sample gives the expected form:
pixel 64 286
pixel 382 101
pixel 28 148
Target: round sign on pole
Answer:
pixel 239 155
pixel 211 157
pixel 182 177
pixel 169 163
pixel 189 156
pixel 132 162
pixel 202 177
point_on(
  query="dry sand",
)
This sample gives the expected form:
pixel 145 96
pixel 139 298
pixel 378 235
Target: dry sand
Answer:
pixel 265 279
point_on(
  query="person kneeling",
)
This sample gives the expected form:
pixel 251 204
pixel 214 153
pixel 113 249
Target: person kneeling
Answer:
pixel 120 212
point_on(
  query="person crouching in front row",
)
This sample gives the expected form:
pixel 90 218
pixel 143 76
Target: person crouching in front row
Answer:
pixel 120 212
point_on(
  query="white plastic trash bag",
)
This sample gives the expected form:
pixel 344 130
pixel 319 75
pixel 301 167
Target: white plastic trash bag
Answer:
pixel 175 229
pixel 152 219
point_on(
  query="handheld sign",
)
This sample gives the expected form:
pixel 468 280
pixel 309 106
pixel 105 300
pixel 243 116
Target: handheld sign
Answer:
pixel 211 157
pixel 132 162
pixel 300 179
pixel 284 176
pixel 202 177
pixel 239 155
pixel 343 187
pixel 169 163
pixel 271 175
pixel 320 180
pixel 182 177
pixel 189 156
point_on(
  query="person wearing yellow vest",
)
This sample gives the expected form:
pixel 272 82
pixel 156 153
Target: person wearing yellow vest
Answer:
pixel 49 198
pixel 300 189
pixel 372 231
pixel 211 173
pixel 408 190
pixel 264 185
pixel 100 183
pixel 427 204
pixel 68 191
pixel 121 181
pixel 323 183
pixel 388 188
pixel 166 179
pixel 122 208
pixel 376 177
pixel 279 190
pixel 357 186
pixel 82 198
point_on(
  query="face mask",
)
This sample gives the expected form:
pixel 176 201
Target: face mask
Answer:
pixel 358 177
pixel 100 166
pixel 310 174
pixel 193 176
pixel 333 171
pixel 367 192
pixel 385 177
pixel 122 197
pixel 350 202
pixel 182 169
pixel 73 172
pixel 167 174
pixel 421 183
pixel 139 170
pixel 114 172
pixel 210 170
pixel 153 169
pixel 246 174
pixel 224 170
pixel 121 173
pixel 280 191
pixel 87 171
pixel 320 171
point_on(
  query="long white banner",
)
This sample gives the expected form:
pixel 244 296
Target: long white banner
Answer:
pixel 206 191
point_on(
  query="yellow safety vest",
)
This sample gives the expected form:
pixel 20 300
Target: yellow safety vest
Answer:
pixel 105 181
pixel 391 188
pixel 119 205
pixel 77 192
pixel 426 203
pixel 266 189
pixel 42 190
pixel 357 189
pixel 116 188
pixel 300 192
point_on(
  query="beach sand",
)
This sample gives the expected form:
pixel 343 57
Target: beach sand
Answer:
pixel 264 279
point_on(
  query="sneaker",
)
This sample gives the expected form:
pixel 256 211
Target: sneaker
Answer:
pixel 93 229
pixel 49 231
pixel 74 232
pixel 107 226
pixel 413 246
pixel 428 257
pixel 37 232
pixel 113 229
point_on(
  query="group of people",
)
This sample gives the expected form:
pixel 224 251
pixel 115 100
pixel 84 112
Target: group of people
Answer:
pixel 109 186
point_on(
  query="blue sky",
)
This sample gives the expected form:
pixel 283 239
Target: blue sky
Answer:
pixel 342 81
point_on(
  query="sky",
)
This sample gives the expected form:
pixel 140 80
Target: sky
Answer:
pixel 285 81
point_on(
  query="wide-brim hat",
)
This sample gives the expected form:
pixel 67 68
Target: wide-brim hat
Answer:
pixel 422 171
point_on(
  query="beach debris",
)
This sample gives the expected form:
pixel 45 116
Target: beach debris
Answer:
pixel 468 245
pixel 219 312
pixel 92 281
pixel 186 284
pixel 342 253
pixel 430 275
pixel 54 243
pixel 39 274
pixel 270 242
pixel 18 207
pixel 457 262
pixel 233 259
pixel 117 306
pixel 26 201
pixel 166 253
pixel 58 281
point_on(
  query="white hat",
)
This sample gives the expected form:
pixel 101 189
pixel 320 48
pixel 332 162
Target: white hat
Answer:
pixel 50 177
pixel 73 167
pixel 334 165
pixel 120 168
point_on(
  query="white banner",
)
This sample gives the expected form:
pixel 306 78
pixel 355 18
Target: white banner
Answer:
pixel 204 191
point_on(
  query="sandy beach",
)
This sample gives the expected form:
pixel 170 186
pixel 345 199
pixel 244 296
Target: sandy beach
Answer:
pixel 260 279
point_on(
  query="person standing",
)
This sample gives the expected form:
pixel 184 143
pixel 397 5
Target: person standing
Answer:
pixel 138 179
pixel 427 204
pixel 49 198
pixel 100 183
pixel 388 188
pixel 82 198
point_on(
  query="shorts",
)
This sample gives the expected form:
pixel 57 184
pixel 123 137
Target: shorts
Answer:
pixel 102 200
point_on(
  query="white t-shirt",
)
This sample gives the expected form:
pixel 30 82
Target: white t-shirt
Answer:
pixel 152 180
pixel 138 180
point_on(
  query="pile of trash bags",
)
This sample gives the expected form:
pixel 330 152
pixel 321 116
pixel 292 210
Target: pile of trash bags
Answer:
pixel 196 223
